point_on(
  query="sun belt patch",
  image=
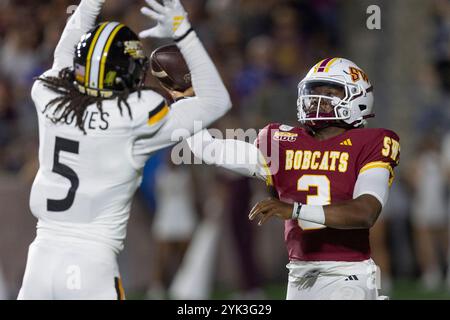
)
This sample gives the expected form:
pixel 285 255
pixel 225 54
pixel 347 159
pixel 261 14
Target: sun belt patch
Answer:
pixel 285 136
pixel 158 113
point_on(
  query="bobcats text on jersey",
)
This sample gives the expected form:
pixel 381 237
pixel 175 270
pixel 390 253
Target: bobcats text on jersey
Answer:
pixel 316 160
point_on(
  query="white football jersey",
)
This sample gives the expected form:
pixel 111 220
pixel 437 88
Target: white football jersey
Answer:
pixel 85 183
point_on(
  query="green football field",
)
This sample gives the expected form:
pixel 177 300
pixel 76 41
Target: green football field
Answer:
pixel 401 290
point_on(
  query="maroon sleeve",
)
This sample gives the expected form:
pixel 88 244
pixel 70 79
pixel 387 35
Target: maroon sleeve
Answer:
pixel 264 143
pixel 382 150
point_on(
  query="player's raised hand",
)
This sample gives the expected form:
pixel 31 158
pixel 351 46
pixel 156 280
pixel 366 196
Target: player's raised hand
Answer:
pixel 270 207
pixel 171 19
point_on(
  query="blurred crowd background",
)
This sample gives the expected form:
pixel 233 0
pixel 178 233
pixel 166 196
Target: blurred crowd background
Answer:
pixel 188 235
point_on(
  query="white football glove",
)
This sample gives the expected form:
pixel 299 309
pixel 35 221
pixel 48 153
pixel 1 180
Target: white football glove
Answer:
pixel 171 18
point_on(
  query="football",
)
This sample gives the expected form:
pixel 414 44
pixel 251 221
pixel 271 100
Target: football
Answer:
pixel 168 65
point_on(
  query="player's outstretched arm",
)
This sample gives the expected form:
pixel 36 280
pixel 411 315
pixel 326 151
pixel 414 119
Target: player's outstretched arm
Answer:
pixel 359 213
pixel 82 20
pixel 238 156
pixel 370 194
pixel 211 99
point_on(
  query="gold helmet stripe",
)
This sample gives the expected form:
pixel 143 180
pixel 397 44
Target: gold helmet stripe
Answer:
pixel 105 54
pixel 329 64
pixel 91 51
pixel 96 58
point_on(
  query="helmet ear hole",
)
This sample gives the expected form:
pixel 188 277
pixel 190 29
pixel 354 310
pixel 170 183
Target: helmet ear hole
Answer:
pixel 362 107
pixel 344 113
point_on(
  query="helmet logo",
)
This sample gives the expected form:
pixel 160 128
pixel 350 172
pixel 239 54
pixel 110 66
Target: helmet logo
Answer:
pixel 134 49
pixel 358 74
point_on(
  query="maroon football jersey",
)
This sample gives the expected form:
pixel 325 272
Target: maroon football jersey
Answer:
pixel 306 170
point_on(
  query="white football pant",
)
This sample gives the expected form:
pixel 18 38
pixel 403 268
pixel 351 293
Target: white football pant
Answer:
pixel 58 270
pixel 333 280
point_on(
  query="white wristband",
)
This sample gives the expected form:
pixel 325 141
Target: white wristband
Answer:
pixel 311 213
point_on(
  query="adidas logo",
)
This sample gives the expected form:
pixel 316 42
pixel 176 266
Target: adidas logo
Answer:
pixel 346 142
pixel 351 278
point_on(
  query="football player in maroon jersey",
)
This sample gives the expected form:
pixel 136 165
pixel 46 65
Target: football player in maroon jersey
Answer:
pixel 332 177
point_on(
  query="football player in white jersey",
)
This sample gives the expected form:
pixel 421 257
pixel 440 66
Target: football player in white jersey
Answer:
pixel 97 127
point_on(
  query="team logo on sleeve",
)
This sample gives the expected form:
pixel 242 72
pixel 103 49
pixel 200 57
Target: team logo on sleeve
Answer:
pixel 285 136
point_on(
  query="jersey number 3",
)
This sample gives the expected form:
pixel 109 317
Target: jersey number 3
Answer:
pixel 322 196
pixel 71 146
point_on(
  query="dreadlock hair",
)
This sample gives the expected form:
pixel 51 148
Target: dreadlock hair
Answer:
pixel 71 103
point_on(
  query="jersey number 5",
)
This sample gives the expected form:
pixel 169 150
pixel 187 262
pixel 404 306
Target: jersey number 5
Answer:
pixel 71 146
pixel 322 196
